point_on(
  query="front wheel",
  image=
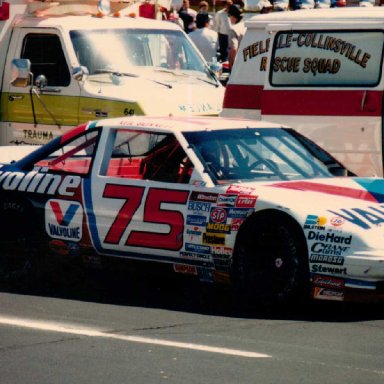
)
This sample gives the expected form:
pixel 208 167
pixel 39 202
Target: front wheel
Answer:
pixel 270 264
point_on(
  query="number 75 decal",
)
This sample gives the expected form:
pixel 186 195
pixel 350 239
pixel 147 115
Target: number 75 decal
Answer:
pixel 153 213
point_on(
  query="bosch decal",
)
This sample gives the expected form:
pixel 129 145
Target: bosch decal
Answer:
pixel 63 219
pixel 196 206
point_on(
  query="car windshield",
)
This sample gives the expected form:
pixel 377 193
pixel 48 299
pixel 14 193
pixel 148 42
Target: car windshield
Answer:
pixel 255 154
pixel 129 51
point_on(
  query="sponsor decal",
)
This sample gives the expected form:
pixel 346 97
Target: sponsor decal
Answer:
pixel 239 189
pixel 318 268
pixel 197 206
pixel 224 252
pixel 193 232
pixel 218 215
pixel 329 237
pixel 244 201
pixel 328 282
pixel 364 218
pixel 213 239
pixel 328 249
pixel 219 227
pixel 63 219
pixel 327 294
pixel 204 196
pixel 197 248
pixel 226 200
pixel 239 213
pixel 43 183
pixel 197 220
pixel 193 255
pixel 337 221
pixel 186 269
pixel 236 223
pixel 315 222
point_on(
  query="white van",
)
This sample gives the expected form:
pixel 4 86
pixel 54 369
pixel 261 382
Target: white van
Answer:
pixel 64 62
pixel 324 77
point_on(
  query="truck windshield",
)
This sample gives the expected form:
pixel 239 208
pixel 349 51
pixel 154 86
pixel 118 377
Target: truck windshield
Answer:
pixel 127 51
pixel 255 154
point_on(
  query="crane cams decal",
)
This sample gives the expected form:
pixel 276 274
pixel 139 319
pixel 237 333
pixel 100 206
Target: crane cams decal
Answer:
pixel 63 219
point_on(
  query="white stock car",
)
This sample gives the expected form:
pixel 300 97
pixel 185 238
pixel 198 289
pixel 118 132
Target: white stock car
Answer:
pixel 232 201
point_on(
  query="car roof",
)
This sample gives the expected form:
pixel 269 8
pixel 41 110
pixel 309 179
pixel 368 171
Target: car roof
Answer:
pixel 182 124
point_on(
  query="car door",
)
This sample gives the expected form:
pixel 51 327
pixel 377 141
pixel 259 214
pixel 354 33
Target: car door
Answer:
pixel 137 199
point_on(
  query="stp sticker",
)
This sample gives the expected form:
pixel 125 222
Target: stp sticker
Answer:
pixel 63 219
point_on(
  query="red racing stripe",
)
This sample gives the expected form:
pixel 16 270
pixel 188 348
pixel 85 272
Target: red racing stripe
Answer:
pixel 328 189
pixel 304 102
pixel 243 96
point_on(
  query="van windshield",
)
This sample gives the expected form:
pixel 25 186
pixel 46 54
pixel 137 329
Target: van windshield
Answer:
pixel 128 51
pixel 255 154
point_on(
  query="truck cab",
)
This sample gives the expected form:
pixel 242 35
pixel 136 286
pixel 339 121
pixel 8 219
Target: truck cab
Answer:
pixel 66 63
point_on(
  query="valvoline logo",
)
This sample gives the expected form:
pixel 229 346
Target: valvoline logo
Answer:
pixel 63 219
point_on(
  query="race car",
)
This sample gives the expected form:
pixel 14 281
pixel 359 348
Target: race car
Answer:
pixel 249 203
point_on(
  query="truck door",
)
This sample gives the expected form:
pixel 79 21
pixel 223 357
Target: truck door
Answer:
pixel 36 115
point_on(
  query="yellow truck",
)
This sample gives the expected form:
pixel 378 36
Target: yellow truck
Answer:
pixel 66 62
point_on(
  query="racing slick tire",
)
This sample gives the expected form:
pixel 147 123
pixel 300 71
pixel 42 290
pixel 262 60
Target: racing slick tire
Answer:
pixel 270 263
pixel 19 257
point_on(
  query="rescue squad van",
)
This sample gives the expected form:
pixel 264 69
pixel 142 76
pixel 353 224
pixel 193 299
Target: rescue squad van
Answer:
pixel 69 61
pixel 321 72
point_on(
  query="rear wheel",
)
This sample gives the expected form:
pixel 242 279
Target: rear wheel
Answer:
pixel 270 260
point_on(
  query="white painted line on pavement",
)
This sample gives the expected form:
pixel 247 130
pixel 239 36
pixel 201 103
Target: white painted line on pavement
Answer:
pixel 92 332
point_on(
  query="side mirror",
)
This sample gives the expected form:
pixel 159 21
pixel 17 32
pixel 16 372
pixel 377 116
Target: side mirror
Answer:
pixel 78 73
pixel 20 72
pixel 41 82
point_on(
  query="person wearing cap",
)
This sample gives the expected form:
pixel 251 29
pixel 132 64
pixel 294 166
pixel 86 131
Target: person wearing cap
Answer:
pixel 222 26
pixel 236 32
pixel 205 39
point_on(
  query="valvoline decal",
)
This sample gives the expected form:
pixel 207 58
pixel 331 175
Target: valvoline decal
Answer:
pixel 63 219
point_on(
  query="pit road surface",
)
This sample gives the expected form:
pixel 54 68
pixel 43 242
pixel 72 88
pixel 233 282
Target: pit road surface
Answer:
pixel 98 329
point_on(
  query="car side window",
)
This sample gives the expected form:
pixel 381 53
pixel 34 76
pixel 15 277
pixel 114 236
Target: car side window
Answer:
pixel 74 157
pixel 47 58
pixel 149 156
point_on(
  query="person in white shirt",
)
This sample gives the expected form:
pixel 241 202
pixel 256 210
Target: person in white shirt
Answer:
pixel 205 38
pixel 222 25
pixel 236 32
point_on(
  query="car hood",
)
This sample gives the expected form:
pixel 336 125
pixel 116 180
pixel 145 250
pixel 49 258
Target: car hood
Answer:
pixel 158 96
